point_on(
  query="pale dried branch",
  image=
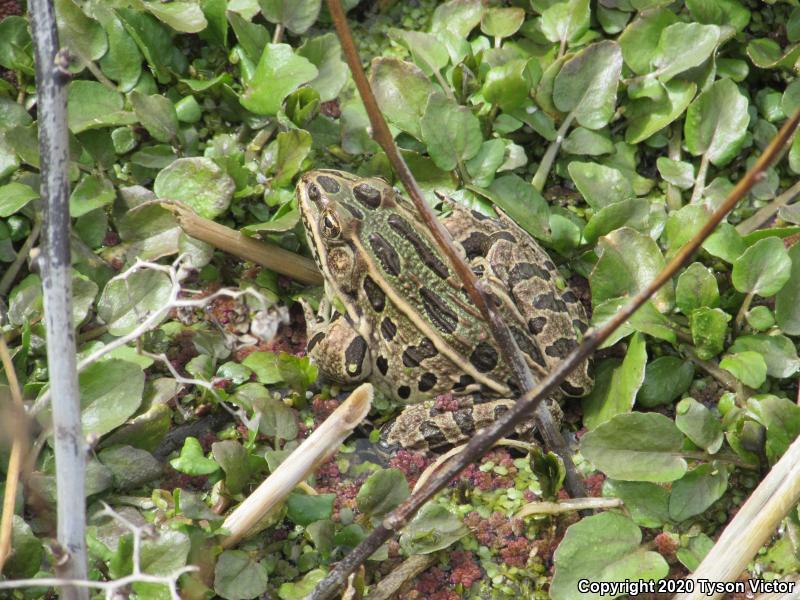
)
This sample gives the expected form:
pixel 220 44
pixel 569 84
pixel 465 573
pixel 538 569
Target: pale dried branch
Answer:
pixel 321 444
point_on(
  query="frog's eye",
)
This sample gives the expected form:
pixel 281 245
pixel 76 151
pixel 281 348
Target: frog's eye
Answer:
pixel 329 225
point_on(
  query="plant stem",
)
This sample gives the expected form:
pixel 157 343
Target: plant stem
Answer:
pixel 11 273
pixel 674 200
pixel 70 452
pixel 764 213
pixel 700 181
pixel 740 316
pixel 277 37
pixel 549 157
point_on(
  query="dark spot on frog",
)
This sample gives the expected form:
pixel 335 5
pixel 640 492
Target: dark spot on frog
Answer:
pixel 500 410
pixel 463 382
pixel 353 210
pixel 426 255
pixel 572 390
pixel 382 364
pixel 523 271
pixel 374 294
pixel 426 382
pixel 527 345
pixel 478 215
pixel 464 420
pixel 442 316
pixel 367 195
pixel 548 301
pixel 484 357
pixel 313 192
pixel 536 325
pixel 388 329
pixel 580 325
pixel 561 347
pixel 354 355
pixel 477 244
pixel 568 296
pixel 387 255
pixel 432 434
pixel 315 340
pixel 329 184
pixel 505 235
pixel 404 392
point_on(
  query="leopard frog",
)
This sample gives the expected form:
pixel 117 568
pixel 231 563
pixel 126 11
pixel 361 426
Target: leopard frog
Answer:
pixel 397 315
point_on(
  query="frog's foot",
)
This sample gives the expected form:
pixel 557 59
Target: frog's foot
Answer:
pixel 424 427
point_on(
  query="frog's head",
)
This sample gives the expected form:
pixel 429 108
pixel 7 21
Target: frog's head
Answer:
pixel 333 206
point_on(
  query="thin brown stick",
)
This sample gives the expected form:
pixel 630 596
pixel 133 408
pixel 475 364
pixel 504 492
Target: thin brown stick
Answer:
pixel 594 338
pixel 505 342
pixel 16 458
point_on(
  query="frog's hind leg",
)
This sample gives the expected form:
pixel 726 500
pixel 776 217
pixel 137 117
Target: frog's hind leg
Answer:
pixel 424 427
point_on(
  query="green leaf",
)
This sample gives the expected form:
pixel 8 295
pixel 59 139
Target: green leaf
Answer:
pixel 197 182
pixel 301 589
pixel 725 243
pixel 640 40
pixel 695 551
pixel 665 379
pixel 699 425
pixel 787 300
pixel 123 61
pixel 111 391
pixel 716 122
pixel 433 528
pixel 325 53
pixel 429 54
pixel 778 352
pixel 296 15
pixel 90 194
pixel 508 85
pixel 402 92
pixel 238 576
pixel 279 72
pixel 457 16
pixel 760 318
pixel 153 40
pixel 636 447
pixel 565 21
pixel 233 458
pixel 781 417
pixel 192 460
pixel 747 366
pixel 82 35
pixel 125 303
pixel 382 492
pixel 633 213
pixel 304 509
pixel 599 185
pixel 16 53
pixel 618 395
pixel 646 116
pixel 605 547
pixel 683 46
pixel 628 261
pixel 696 288
pixel 91 105
pixel 451 132
pixel 522 202
pixel 763 269
pixel 28 551
pixel 293 148
pixel 709 327
pixel 484 165
pixel 586 86
pixel 504 22
pixel 131 467
pixel 696 491
pixel 185 16
pixel 677 172
pixel 720 12
pixel 647 503
pixel 15 196
pixel 584 142
pixel 157 114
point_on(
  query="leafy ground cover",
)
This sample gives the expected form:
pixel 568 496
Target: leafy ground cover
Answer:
pixel 607 130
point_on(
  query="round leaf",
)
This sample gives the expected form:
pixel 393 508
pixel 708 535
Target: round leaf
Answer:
pixel 696 491
pixel 699 425
pixel 125 303
pixel 748 367
pixel 197 182
pixel 716 122
pixel 636 447
pixel 402 91
pixel 787 300
pixel 279 72
pixel 763 269
pixel 382 491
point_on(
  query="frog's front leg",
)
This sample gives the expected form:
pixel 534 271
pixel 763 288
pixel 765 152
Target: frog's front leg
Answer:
pixel 340 352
